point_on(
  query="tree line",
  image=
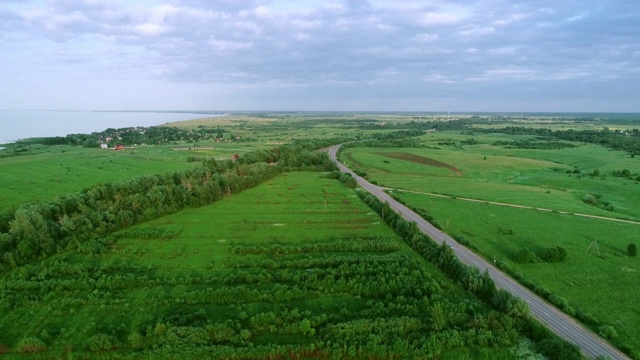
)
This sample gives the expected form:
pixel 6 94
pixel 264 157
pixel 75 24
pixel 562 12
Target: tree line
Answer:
pixel 625 140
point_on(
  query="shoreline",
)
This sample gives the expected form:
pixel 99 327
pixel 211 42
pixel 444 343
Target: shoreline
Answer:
pixel 27 124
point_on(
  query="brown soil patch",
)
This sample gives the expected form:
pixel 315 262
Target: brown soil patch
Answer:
pixel 421 160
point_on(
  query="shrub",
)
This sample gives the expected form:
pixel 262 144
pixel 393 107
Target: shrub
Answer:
pixel 100 342
pixel 608 332
pixel 31 345
pixel 525 256
pixel 505 231
pixel 632 250
pixel 554 254
pixel 558 349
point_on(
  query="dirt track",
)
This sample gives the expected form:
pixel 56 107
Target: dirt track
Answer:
pixel 421 160
pixel 519 206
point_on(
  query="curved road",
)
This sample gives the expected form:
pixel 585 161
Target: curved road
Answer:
pixel 557 321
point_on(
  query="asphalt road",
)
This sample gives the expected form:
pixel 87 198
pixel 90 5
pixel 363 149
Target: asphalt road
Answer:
pixel 558 322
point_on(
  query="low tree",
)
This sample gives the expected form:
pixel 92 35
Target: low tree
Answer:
pixel 554 254
pixel 632 250
pixel 525 256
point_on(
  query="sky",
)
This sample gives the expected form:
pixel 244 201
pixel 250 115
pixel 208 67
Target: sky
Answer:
pixel 334 55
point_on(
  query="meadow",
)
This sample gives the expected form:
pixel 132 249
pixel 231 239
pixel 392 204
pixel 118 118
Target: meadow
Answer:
pixel 603 284
pixel 40 173
pixel 308 271
pixel 299 266
pixel 44 172
pixel 554 179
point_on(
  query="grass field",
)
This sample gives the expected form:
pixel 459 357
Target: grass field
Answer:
pixel 605 286
pixel 541 178
pixel 603 283
pixel 45 172
pixel 307 264
pixel 273 131
pixel 51 171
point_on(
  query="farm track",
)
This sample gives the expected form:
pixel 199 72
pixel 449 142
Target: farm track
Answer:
pixel 516 206
pixel 557 321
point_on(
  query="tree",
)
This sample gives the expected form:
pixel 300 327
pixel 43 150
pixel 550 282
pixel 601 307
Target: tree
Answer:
pixel 525 256
pixel 554 254
pixel 632 250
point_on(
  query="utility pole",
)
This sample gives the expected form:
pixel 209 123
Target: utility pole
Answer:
pixel 594 242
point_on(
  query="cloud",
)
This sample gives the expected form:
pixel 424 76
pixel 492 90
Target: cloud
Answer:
pixel 366 48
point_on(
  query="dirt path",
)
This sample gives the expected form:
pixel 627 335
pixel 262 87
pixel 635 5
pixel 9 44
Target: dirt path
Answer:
pixel 519 206
pixel 421 160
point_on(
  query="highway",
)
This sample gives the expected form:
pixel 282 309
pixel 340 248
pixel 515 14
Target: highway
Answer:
pixel 557 321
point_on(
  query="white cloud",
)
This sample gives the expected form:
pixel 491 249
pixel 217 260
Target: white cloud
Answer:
pixel 331 48
pixel 476 31
pixel 152 29
pixel 438 18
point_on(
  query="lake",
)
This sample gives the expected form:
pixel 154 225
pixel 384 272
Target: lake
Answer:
pixel 21 124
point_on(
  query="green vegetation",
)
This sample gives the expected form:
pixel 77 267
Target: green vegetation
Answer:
pixel 40 230
pixel 449 180
pixel 632 250
pixel 173 250
pixel 43 172
pixel 307 272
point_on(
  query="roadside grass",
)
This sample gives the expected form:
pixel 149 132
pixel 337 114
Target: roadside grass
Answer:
pixel 605 284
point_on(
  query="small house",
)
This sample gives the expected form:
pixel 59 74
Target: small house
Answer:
pixel 104 146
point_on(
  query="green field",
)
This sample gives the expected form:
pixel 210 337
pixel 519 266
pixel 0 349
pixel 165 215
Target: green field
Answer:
pixel 46 172
pixel 595 282
pixel 603 285
pixel 541 178
pixel 297 265
pixel 40 173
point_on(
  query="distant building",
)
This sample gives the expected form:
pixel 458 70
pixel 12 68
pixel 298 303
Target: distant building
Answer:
pixel 104 146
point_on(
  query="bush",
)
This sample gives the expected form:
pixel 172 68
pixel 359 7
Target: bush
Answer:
pixel 608 332
pixel 31 345
pixel 558 349
pixel 632 250
pixel 100 342
pixel 505 231
pixel 525 256
pixel 554 254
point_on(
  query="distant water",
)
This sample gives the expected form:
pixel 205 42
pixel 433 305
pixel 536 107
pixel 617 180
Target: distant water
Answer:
pixel 21 124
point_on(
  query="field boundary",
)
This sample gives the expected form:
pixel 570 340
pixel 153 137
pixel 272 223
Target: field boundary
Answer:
pixel 516 206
